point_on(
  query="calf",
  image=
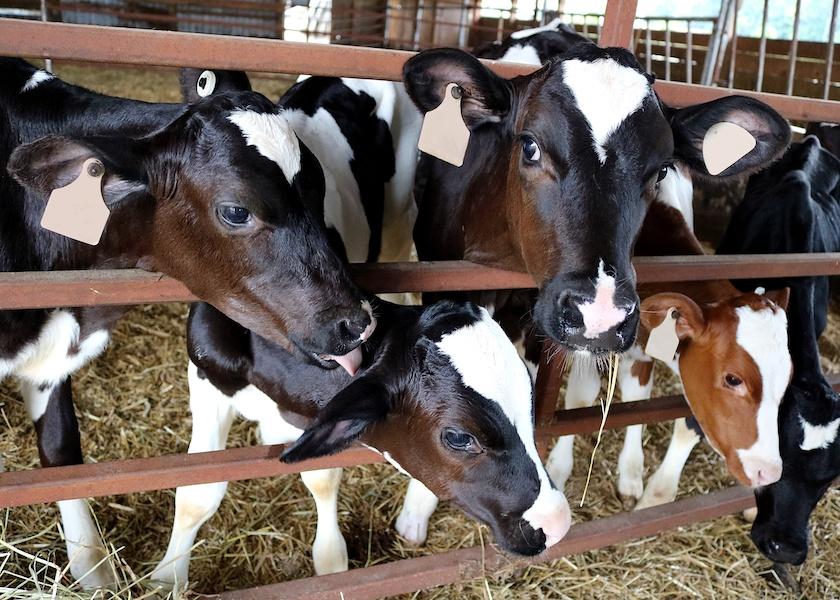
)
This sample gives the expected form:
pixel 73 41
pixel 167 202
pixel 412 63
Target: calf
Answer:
pixel 563 159
pixel 828 134
pixel 533 46
pixel 200 193
pixel 794 206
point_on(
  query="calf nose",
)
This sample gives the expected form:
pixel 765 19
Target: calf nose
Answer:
pixel 784 552
pixel 762 471
pixel 355 328
pixel 551 514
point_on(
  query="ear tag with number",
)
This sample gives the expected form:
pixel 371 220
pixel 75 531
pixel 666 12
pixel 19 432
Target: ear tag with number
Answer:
pixel 663 341
pixel 444 134
pixel 724 145
pixel 78 210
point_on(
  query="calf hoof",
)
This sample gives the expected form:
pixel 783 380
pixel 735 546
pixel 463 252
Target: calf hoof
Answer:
pixel 750 514
pixel 165 578
pixel 654 496
pixel 413 528
pixel 330 558
pixel 630 487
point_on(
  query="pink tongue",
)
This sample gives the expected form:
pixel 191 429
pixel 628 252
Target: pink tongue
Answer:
pixel 351 361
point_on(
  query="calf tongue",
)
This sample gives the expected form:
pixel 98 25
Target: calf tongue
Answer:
pixel 351 361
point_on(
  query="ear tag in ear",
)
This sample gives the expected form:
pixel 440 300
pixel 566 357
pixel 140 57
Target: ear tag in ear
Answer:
pixel 663 341
pixel 77 210
pixel 444 134
pixel 724 145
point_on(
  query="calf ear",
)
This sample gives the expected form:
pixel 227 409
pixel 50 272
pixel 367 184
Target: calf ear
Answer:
pixel 769 129
pixel 200 83
pixel 53 162
pixel 690 321
pixel 342 421
pixel 486 96
pixel 780 297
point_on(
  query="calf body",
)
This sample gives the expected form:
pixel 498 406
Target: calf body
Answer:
pixel 176 205
pixel 794 206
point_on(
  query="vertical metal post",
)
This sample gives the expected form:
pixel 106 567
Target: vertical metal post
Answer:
pixel 619 18
pixel 463 30
pixel 648 47
pixel 794 47
pixel 549 378
pixel 689 52
pixel 48 64
pixel 762 49
pixel 667 49
pixel 734 45
pixel 829 54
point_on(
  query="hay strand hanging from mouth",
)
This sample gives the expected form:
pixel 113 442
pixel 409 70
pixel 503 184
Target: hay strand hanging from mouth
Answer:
pixel 612 377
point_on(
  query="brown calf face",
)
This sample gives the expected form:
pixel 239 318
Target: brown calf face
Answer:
pixel 226 199
pixel 735 365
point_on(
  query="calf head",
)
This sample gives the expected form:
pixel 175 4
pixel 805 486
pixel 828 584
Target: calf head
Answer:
pixel 810 446
pixel 226 199
pixel 450 402
pixel 735 365
pixel 570 153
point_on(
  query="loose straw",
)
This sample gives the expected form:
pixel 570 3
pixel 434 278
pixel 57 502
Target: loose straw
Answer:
pixel 612 377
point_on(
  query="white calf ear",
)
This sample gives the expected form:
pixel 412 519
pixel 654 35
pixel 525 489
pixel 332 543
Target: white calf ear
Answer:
pixel 725 144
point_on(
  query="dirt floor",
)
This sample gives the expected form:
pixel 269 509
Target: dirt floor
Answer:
pixel 132 402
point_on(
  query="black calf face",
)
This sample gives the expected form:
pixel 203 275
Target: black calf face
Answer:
pixel 448 400
pixel 232 203
pixel 583 142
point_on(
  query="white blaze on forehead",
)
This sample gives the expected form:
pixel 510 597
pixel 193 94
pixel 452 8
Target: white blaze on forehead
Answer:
pixel 488 363
pixel 272 136
pixel 606 92
pixel 818 437
pixel 552 26
pixel 763 335
pixel 601 314
pixel 37 78
pixel 526 55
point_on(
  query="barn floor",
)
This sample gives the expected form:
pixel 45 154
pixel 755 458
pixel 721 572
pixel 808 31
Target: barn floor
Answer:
pixel 132 403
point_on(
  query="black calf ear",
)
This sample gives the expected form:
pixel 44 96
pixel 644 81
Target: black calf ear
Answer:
pixel 53 162
pixel 769 129
pixel 342 421
pixel 486 98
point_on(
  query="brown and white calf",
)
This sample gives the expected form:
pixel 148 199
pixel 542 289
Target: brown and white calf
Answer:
pixel 220 195
pixel 733 362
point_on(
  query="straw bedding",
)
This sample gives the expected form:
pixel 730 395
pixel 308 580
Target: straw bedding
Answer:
pixel 133 402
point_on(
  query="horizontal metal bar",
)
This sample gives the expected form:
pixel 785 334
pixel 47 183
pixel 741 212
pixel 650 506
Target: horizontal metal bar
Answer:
pixel 43 289
pixel 409 575
pixel 168 48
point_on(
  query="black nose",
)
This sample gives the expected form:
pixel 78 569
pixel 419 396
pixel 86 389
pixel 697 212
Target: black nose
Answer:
pixel 567 305
pixel 520 538
pixel 349 328
pixel 783 551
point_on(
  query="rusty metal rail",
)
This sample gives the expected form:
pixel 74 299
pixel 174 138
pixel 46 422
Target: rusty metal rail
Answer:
pixel 42 289
pixel 407 575
pixel 95 43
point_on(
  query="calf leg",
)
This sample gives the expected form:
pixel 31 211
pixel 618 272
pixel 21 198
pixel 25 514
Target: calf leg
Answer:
pixel 50 406
pixel 419 505
pixel 635 379
pixel 212 415
pixel 662 485
pixel 582 390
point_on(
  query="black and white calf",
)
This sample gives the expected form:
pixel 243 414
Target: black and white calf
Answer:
pixel 794 206
pixel 221 195
pixel 533 46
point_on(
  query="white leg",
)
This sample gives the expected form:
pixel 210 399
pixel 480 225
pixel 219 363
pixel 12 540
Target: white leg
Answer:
pixel 89 564
pixel 635 379
pixel 212 415
pixel 419 505
pixel 662 485
pixel 582 390
pixel 86 552
pixel 329 551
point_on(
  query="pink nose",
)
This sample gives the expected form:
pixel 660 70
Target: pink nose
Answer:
pixel 550 513
pixel 762 471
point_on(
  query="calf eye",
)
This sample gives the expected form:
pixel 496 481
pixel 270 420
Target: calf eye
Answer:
pixel 234 215
pixel 530 149
pixel 663 172
pixel 461 441
pixel 732 380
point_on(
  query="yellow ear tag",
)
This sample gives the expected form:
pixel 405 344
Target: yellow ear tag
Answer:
pixel 663 341
pixel 444 134
pixel 78 210
pixel 724 145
